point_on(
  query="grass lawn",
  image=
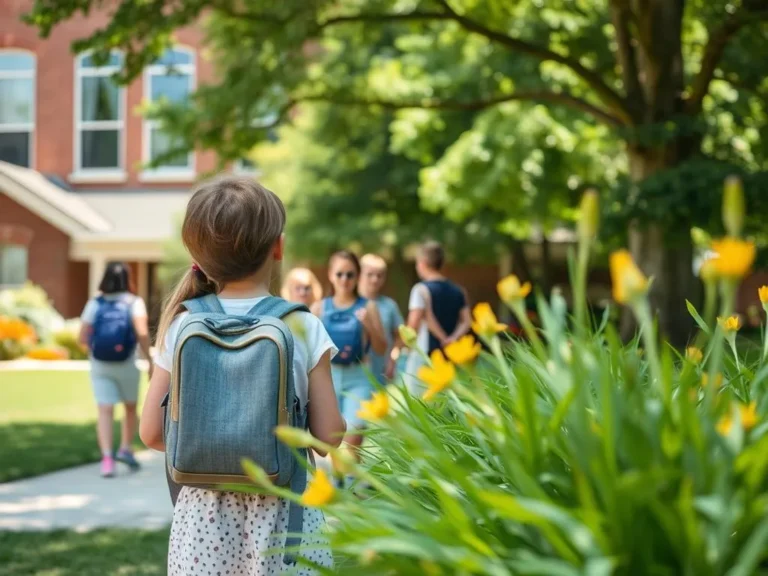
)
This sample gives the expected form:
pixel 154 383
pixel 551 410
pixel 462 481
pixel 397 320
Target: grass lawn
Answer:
pixel 98 553
pixel 47 422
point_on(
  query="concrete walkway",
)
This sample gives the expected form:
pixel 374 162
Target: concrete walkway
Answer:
pixel 79 499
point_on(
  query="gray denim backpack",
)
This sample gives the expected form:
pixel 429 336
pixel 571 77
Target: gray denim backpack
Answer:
pixel 232 383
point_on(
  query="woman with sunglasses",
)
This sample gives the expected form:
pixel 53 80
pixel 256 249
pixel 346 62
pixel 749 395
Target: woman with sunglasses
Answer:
pixel 301 286
pixel 354 325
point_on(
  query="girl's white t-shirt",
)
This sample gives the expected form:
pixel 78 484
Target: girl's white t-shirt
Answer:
pixel 311 341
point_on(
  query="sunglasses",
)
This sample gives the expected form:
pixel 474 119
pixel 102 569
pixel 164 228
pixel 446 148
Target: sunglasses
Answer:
pixel 345 275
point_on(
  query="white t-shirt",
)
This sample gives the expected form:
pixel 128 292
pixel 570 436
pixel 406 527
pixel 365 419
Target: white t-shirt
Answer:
pixel 138 309
pixel 311 341
pixel 418 301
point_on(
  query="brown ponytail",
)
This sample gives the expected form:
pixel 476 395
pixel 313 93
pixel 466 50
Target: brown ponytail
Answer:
pixel 192 285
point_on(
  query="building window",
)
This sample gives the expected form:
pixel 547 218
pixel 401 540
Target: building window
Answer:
pixel 17 106
pixel 171 79
pixel 13 264
pixel 99 116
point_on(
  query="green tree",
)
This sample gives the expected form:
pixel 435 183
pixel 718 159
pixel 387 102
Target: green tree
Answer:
pixel 664 77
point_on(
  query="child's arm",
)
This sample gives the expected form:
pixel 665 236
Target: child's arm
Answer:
pixel 151 424
pixel 372 323
pixel 325 421
pixel 432 324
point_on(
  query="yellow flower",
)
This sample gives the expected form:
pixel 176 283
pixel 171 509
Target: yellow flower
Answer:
pixel 485 323
pixel 438 376
pixel 510 290
pixel 734 257
pixel 724 425
pixel 694 355
pixel 374 409
pixel 748 414
pixel 718 380
pixel 319 491
pixel 762 292
pixel 629 283
pixel 463 351
pixel 730 324
pixel 408 335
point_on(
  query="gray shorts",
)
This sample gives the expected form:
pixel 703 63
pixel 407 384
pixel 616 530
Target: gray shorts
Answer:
pixel 115 382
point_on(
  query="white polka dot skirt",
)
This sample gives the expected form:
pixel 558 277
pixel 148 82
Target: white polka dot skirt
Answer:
pixel 232 534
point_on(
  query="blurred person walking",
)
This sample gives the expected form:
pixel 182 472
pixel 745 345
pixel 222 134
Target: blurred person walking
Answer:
pixel 113 325
pixel 373 277
pixel 437 310
pixel 302 286
pixel 354 325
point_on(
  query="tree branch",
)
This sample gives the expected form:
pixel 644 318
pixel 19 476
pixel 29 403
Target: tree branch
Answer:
pixel 713 52
pixel 399 17
pixel 621 16
pixel 470 105
pixel 610 98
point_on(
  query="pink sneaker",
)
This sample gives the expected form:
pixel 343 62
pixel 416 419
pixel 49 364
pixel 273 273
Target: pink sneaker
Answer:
pixel 107 467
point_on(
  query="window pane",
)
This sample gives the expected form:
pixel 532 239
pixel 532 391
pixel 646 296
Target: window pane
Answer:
pixel 14 148
pixel 99 149
pixel 16 97
pixel 175 57
pixel 99 99
pixel 13 264
pixel 115 59
pixel 161 143
pixel 173 88
pixel 16 61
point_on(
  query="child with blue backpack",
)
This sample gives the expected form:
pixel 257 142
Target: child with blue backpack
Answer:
pixel 354 324
pixel 233 363
pixel 113 325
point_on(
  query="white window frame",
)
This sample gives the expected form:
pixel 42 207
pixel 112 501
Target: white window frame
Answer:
pixel 86 175
pixel 167 173
pixel 23 126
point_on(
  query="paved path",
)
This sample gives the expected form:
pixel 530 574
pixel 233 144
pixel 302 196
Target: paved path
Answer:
pixel 79 499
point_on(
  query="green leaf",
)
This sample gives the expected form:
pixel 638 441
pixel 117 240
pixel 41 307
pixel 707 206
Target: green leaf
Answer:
pixel 699 320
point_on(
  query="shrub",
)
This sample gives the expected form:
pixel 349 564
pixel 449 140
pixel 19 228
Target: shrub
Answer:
pixel 48 353
pixel 31 304
pixel 572 454
pixel 69 338
pixel 16 338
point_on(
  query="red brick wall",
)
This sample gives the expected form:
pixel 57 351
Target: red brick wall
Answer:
pixel 78 289
pixel 54 123
pixel 49 264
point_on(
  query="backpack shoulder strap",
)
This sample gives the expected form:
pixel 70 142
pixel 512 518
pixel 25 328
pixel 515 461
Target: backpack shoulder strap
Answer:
pixel 207 303
pixel 276 307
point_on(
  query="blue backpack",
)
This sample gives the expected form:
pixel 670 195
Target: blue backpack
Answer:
pixel 346 331
pixel 113 338
pixel 231 385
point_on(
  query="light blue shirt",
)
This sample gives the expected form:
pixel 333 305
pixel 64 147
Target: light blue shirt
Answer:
pixel 391 319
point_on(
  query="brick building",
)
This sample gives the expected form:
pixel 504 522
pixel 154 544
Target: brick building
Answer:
pixel 74 192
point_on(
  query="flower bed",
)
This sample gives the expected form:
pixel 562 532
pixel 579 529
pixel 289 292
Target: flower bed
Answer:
pixel 573 453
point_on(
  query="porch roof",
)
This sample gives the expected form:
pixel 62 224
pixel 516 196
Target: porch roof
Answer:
pixel 60 208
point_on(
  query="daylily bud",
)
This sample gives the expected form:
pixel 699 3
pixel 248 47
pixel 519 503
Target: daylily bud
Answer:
pixel 589 219
pixel 255 472
pixel 294 437
pixel 733 206
pixel 408 335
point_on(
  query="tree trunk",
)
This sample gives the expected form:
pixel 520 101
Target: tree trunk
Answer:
pixel 665 256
